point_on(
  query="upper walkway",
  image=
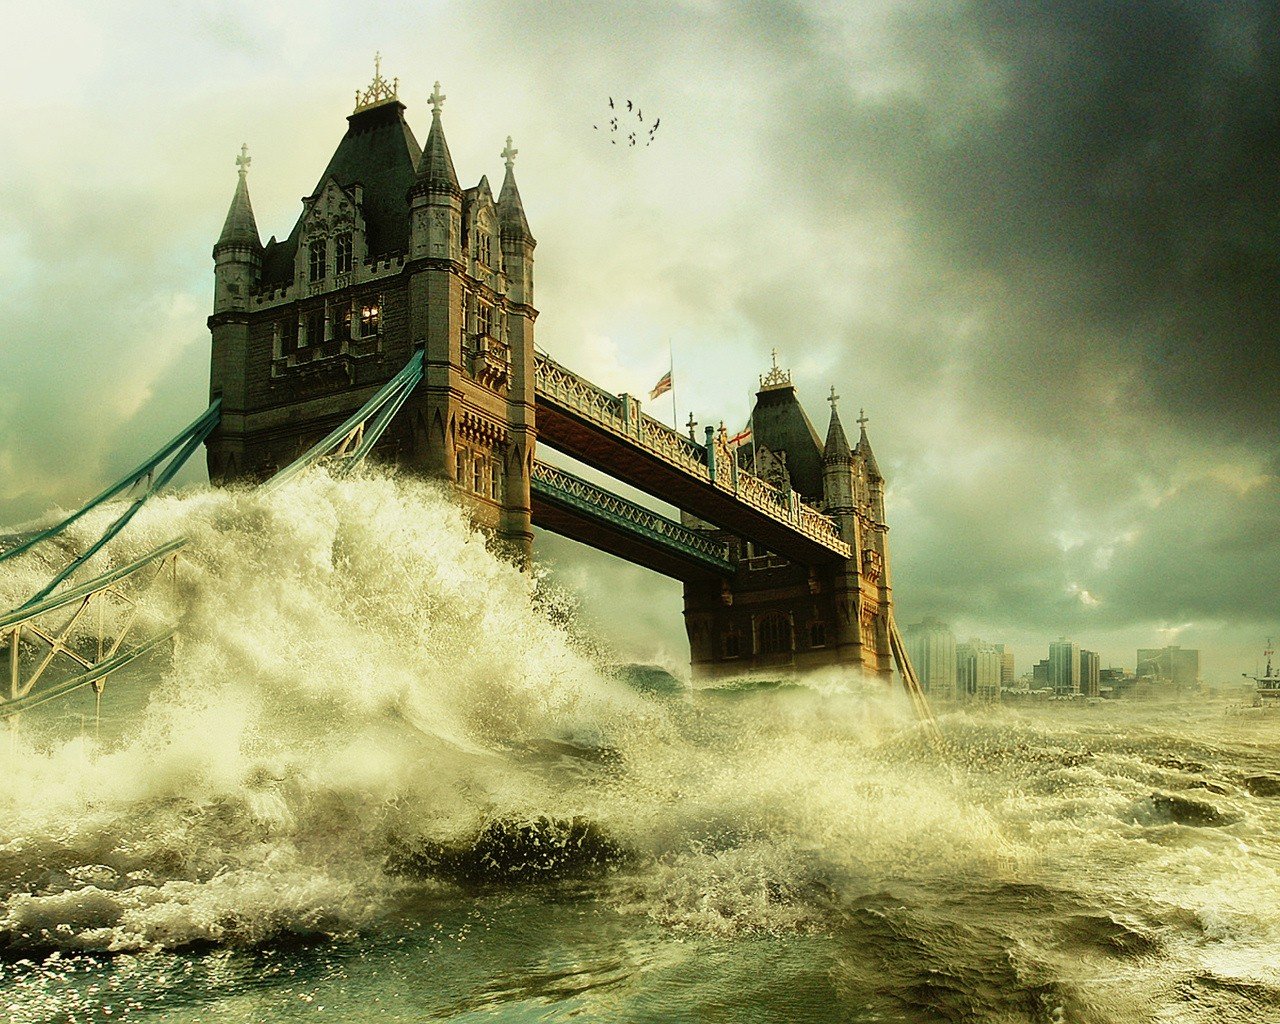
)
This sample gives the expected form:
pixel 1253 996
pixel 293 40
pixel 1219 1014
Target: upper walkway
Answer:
pixel 612 434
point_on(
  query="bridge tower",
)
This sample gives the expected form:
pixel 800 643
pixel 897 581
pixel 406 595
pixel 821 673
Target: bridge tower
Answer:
pixel 774 614
pixel 390 255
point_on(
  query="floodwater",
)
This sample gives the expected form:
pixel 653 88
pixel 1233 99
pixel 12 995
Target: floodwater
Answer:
pixel 382 777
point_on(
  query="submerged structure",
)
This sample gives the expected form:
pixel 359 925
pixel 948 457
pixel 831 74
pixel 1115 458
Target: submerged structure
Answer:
pixel 781 544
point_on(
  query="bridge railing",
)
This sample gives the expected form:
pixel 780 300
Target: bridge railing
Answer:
pixel 581 492
pixel 621 414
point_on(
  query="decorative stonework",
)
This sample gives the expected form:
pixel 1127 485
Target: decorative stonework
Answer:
pixel 776 377
pixel 379 90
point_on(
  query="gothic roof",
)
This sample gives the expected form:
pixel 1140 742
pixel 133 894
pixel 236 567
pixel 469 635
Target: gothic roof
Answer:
pixel 868 456
pixel 780 424
pixel 837 446
pixel 240 228
pixel 511 209
pixel 436 166
pixel 380 153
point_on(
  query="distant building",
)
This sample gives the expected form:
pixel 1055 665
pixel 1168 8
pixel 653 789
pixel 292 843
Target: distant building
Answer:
pixel 1064 667
pixel 1007 677
pixel 931 646
pixel 1170 664
pixel 1115 682
pixel 1040 675
pixel 1090 669
pixel 977 670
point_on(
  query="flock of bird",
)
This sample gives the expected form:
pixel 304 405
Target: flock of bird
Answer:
pixel 631 136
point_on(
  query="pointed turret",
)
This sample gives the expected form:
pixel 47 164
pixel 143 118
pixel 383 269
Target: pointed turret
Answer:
pixel 240 229
pixel 510 209
pixel 864 449
pixel 237 255
pixel 837 448
pixel 435 169
pixel 837 475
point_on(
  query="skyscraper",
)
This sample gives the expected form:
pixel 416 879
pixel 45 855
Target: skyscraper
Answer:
pixel 1173 664
pixel 1064 667
pixel 932 648
pixel 1090 667
pixel 978 668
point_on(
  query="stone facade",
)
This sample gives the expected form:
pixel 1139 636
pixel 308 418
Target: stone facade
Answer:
pixel 390 255
pixel 775 615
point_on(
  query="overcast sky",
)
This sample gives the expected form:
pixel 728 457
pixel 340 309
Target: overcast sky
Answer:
pixel 1039 242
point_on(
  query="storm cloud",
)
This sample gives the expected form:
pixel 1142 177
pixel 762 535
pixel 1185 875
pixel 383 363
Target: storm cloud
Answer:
pixel 1038 242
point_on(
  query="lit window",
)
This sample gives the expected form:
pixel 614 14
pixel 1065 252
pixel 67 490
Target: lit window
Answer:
pixel 344 321
pixel 342 253
pixel 370 319
pixel 317 251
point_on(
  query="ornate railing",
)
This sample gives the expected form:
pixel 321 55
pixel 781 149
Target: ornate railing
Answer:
pixel 621 414
pixel 557 485
pixel 577 392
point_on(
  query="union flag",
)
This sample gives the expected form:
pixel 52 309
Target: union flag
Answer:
pixel 662 387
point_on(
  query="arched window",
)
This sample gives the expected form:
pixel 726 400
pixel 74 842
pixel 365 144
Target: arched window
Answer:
pixel 773 633
pixel 731 644
pixel 817 633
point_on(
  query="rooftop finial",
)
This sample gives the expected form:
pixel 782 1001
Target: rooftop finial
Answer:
pixel 379 91
pixel 862 419
pixel 244 159
pixel 776 377
pixel 509 154
pixel 436 99
pixel 833 397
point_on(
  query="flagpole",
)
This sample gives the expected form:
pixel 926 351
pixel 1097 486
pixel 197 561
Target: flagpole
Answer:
pixel 671 370
pixel 755 443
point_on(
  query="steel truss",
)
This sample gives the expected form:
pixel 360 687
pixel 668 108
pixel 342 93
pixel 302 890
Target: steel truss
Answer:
pixel 355 438
pixel 55 634
pixel 559 487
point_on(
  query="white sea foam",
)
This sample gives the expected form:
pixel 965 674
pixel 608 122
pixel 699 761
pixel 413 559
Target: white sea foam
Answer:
pixel 358 680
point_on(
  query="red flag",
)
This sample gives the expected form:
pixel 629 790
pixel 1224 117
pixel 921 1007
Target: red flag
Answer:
pixel 662 387
pixel 740 438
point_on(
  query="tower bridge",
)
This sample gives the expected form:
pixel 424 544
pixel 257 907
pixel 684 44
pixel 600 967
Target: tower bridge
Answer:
pixel 781 545
pixel 397 318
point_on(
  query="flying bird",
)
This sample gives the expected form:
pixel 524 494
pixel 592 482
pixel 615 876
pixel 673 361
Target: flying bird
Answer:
pixel 616 127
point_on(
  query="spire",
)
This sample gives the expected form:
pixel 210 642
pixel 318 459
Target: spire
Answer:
pixel 837 446
pixel 510 209
pixel 864 448
pixel 240 229
pixel 435 169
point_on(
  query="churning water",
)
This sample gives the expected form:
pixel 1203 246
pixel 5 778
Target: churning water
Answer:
pixel 381 778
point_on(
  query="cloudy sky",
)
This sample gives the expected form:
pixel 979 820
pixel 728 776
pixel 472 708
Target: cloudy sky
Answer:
pixel 1039 242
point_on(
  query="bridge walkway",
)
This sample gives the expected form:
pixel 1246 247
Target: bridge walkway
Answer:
pixel 612 434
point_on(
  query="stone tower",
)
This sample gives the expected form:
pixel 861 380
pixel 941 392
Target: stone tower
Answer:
pixel 390 255
pixel 775 615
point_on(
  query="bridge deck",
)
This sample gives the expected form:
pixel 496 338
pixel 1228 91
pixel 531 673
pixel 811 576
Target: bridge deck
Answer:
pixel 572 507
pixel 609 433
